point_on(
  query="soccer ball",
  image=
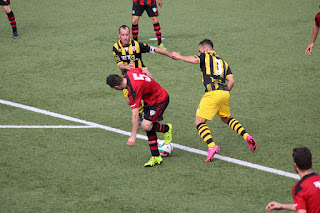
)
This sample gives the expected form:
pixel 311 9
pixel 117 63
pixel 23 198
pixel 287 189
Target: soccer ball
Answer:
pixel 165 150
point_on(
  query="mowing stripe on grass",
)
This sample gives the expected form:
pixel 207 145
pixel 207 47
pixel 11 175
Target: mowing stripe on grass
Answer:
pixel 178 146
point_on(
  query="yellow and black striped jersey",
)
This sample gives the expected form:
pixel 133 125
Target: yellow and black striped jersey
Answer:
pixel 214 71
pixel 131 53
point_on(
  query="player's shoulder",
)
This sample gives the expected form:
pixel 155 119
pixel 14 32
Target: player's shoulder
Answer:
pixel 315 177
pixel 308 179
pixel 135 70
pixel 138 44
pixel 117 45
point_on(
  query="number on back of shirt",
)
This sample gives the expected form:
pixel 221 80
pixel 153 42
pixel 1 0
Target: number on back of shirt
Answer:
pixel 219 67
pixel 317 184
pixel 141 77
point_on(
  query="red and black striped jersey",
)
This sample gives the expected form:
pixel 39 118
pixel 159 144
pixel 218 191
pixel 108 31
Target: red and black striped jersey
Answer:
pixel 306 193
pixel 4 2
pixel 142 87
pixel 145 2
pixel 317 19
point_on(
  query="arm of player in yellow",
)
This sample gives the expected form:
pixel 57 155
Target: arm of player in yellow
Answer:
pixel 230 80
pixel 190 59
pixel 162 52
pixel 146 71
pixel 122 66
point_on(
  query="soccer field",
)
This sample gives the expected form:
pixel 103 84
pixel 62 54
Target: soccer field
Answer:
pixel 63 131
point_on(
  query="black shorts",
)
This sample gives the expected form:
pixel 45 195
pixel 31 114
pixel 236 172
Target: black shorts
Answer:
pixel 155 113
pixel 4 2
pixel 137 10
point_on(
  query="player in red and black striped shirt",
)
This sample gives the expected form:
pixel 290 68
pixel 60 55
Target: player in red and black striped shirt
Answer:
pixel 306 192
pixel 5 5
pixel 140 87
pixel 138 7
pixel 315 31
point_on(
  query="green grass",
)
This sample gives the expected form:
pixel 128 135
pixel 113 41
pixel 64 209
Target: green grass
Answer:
pixel 60 63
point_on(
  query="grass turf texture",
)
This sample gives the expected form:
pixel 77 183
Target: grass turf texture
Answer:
pixel 60 64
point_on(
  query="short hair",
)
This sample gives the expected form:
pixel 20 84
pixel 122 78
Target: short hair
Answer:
pixel 206 42
pixel 124 27
pixel 114 80
pixel 302 157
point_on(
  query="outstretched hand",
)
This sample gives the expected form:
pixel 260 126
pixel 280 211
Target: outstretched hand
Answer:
pixel 273 206
pixel 176 56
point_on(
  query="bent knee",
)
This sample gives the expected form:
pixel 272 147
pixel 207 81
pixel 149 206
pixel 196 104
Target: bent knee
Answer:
pixel 146 125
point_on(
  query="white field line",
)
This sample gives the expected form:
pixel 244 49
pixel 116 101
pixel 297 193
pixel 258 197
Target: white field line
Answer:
pixel 43 127
pixel 178 146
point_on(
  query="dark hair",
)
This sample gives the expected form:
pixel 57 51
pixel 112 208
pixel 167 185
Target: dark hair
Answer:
pixel 114 80
pixel 206 42
pixel 124 27
pixel 302 157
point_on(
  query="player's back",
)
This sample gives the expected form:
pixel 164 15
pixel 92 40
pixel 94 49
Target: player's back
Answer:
pixel 144 87
pixel 214 71
pixel 309 188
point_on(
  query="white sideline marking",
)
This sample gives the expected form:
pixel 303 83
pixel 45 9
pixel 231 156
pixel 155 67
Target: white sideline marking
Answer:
pixel 178 146
pixel 240 162
pixel 43 127
pixel 155 39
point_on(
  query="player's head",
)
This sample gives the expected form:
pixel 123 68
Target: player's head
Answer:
pixel 302 158
pixel 205 46
pixel 115 81
pixel 124 35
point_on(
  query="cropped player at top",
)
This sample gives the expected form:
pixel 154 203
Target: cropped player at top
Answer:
pixel 6 7
pixel 140 87
pixel 138 8
pixel 214 72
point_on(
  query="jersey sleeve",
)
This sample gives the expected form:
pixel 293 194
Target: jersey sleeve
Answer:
pixel 299 199
pixel 135 101
pixel 317 19
pixel 117 56
pixel 229 73
pixel 200 58
pixel 145 48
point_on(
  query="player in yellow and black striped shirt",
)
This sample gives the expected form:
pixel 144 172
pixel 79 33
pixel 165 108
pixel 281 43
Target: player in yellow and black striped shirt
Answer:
pixel 215 72
pixel 128 54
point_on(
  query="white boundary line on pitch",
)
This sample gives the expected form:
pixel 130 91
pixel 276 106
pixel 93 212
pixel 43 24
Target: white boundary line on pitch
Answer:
pixel 178 146
pixel 43 127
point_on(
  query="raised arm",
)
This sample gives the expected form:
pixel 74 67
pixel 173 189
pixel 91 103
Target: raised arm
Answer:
pixel 190 59
pixel 163 52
